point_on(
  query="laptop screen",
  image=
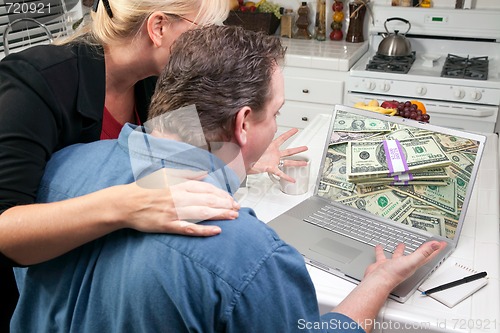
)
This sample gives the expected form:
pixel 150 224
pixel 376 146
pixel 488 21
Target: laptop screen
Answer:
pixel 400 170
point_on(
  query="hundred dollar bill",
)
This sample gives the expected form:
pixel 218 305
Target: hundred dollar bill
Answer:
pixel 334 171
pixel 430 223
pixel 452 143
pixel 418 132
pixel 333 193
pixel 459 160
pixel 432 174
pixel 428 182
pixel 441 197
pixel 450 221
pixel 462 180
pixel 470 156
pixel 400 134
pixel 386 204
pixel 415 203
pixel 393 156
pixel 339 137
pixel 451 227
pixel 363 190
pixel 339 148
pixel 347 122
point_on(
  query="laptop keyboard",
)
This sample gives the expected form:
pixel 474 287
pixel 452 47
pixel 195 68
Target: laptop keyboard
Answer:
pixel 364 230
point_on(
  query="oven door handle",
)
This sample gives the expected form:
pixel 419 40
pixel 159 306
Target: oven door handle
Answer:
pixel 461 111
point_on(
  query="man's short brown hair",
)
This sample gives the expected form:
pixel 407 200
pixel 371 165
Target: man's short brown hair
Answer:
pixel 219 69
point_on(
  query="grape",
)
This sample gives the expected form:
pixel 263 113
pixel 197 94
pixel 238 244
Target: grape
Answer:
pixel 410 110
pixel 268 7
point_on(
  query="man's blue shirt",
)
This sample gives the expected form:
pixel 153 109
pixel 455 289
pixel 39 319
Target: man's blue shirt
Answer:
pixel 243 280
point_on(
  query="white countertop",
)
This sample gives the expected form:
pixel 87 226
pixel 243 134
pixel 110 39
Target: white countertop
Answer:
pixel 329 55
pixel 478 248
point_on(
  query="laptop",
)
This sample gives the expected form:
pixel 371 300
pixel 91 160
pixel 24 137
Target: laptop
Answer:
pixel 383 180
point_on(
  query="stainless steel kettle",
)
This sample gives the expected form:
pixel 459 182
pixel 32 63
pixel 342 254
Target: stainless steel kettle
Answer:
pixel 395 44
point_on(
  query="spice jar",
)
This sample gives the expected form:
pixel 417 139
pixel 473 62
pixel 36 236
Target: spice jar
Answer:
pixel 338 18
pixel 320 33
pixel 287 23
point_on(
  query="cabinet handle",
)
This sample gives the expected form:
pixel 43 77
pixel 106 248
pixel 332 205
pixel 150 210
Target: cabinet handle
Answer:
pixel 304 119
pixel 305 91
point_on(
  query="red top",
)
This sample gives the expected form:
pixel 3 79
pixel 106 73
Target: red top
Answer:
pixel 111 127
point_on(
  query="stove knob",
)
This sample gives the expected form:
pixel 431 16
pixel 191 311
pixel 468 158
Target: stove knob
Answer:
pixel 421 90
pixel 476 95
pixel 385 86
pixel 459 93
pixel 370 85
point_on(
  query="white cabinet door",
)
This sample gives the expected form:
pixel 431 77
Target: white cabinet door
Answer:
pixel 314 86
pixel 300 114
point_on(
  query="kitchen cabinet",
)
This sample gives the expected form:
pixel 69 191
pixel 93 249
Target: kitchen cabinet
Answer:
pixel 315 77
pixel 309 92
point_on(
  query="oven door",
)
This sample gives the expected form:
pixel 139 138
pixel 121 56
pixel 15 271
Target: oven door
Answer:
pixel 463 116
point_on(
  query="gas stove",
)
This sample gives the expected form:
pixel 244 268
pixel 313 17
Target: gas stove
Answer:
pixel 456 75
pixel 391 64
pixel 475 68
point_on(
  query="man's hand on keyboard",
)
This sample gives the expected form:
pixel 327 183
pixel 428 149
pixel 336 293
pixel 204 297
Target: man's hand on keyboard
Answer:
pixel 393 271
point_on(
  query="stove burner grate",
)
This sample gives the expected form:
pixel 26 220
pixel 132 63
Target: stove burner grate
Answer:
pixel 391 64
pixel 465 68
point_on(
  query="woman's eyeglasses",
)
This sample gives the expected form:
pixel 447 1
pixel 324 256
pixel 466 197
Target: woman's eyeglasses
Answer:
pixel 182 18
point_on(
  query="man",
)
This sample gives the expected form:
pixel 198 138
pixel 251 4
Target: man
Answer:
pixel 244 280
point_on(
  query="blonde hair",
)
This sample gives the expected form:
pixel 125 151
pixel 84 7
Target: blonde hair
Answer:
pixel 130 15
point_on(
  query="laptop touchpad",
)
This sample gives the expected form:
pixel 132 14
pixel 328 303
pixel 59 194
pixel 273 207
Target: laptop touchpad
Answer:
pixel 335 250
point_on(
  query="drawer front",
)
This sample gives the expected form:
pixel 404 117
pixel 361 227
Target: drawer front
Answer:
pixel 311 90
pixel 299 115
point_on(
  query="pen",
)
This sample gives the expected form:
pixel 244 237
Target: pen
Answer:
pixel 455 283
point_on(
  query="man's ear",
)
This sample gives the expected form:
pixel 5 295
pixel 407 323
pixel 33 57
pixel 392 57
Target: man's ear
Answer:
pixel 242 125
pixel 155 26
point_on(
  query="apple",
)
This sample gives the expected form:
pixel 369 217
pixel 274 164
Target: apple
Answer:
pixel 252 9
pixel 390 104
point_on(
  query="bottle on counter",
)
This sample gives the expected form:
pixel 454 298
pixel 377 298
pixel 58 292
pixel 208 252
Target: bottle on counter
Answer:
pixel 320 33
pixel 287 23
pixel 357 10
pixel 337 20
pixel 302 22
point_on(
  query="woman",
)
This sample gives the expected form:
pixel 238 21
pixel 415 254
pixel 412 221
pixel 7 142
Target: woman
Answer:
pixel 84 90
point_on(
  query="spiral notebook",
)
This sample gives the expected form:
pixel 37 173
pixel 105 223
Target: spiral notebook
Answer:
pixel 453 296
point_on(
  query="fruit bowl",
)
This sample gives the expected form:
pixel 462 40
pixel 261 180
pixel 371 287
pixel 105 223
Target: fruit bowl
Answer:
pixel 255 21
pixel 412 109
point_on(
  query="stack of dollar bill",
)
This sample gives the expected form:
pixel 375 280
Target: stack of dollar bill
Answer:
pixel 430 193
pixel 424 162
